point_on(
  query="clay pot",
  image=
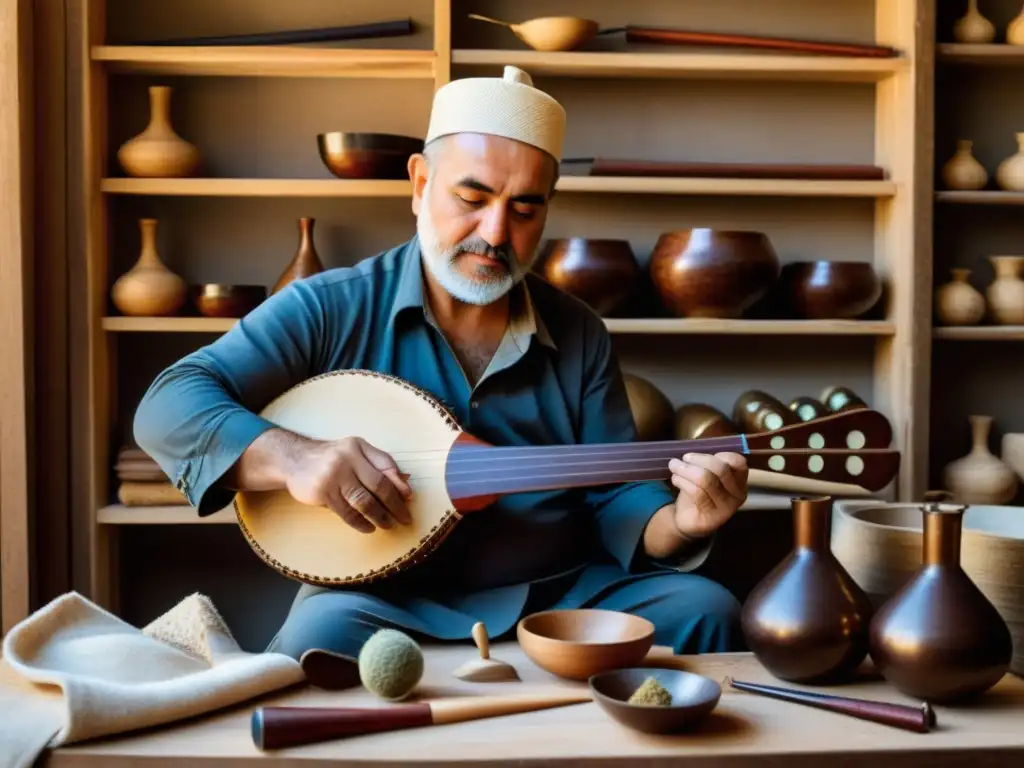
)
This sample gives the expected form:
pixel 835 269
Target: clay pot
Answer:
pixel 159 151
pixel 1010 173
pixel 829 290
pixel 939 638
pixel 962 170
pixel 698 420
pixel 972 27
pixel 807 620
pixel 1011 451
pixel 712 273
pixel 958 302
pixel 1005 294
pixel 808 408
pixel 149 288
pixel 838 399
pixel 1015 30
pixel 306 261
pixel 601 273
pixel 757 411
pixel 979 477
pixel 652 410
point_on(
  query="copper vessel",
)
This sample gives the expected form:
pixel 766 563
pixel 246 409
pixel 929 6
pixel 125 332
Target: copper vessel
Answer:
pixel 601 273
pixel 807 620
pixel 938 638
pixel 306 261
pixel 808 408
pixel 757 411
pixel 827 290
pixel 697 420
pixel 838 399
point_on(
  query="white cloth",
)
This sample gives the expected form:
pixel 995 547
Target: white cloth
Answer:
pixel 509 106
pixel 73 671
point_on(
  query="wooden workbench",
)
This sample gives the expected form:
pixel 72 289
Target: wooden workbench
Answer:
pixel 745 730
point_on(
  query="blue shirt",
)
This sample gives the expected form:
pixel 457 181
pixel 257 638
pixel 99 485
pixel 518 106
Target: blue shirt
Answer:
pixel 554 380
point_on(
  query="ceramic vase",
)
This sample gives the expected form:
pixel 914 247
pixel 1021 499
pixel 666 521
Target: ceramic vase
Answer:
pixel 149 288
pixel 1010 173
pixel 938 638
pixel 972 27
pixel 1015 30
pixel 1011 451
pixel 807 620
pixel 980 477
pixel 962 170
pixel 306 261
pixel 958 302
pixel 1005 294
pixel 159 151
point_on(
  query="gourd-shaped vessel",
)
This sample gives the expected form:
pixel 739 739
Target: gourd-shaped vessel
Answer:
pixel 962 170
pixel 980 477
pixel 958 302
pixel 159 152
pixel 1005 294
pixel 938 638
pixel 1010 173
pixel 1015 30
pixel 972 27
pixel 149 288
pixel 306 261
pixel 807 620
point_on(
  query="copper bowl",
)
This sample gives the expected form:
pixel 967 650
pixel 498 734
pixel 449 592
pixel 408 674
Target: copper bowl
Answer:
pixel 712 273
pixel 693 698
pixel 220 300
pixel 829 290
pixel 367 155
pixel 576 644
pixel 601 273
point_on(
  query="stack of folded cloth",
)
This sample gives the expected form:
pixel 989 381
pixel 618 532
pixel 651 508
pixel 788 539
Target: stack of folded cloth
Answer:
pixel 141 481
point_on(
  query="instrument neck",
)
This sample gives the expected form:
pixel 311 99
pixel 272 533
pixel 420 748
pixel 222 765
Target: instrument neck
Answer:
pixel 477 473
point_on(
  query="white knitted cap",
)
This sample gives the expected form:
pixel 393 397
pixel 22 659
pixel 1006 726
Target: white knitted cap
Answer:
pixel 510 106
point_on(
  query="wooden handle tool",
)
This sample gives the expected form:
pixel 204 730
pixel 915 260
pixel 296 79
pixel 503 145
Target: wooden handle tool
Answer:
pixel 485 669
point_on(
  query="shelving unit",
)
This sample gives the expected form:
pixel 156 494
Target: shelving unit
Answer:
pixel 254 113
pixel 976 88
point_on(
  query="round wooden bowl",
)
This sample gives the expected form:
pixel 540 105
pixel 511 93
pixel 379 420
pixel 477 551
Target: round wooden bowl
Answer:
pixel 576 644
pixel 601 273
pixel 880 545
pixel 829 290
pixel 712 273
pixel 556 33
pixel 367 155
pixel 221 300
pixel 693 698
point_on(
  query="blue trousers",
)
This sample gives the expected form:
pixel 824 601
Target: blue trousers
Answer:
pixel 691 614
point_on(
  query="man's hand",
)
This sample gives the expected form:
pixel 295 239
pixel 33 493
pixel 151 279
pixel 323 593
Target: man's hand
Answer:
pixel 359 482
pixel 711 489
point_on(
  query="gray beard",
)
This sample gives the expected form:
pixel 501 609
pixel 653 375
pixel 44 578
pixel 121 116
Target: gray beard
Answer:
pixel 440 260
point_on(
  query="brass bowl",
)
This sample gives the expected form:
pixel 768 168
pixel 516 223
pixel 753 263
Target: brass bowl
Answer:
pixel 367 155
pixel 600 273
pixel 829 290
pixel 576 644
pixel 693 698
pixel 221 300
pixel 712 273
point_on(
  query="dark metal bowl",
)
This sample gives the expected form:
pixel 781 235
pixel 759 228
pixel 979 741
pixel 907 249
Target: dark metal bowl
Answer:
pixel 367 155
pixel 220 300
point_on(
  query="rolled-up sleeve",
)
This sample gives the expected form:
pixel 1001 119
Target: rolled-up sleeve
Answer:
pixel 200 414
pixel 621 511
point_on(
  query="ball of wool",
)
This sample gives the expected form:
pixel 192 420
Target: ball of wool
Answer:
pixel 390 664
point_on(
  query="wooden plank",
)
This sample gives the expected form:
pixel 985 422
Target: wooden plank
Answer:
pixel 706 66
pixel 989 54
pixel 264 61
pixel 257 187
pixel 980 333
pixel 16 287
pixel 442 42
pixel 980 197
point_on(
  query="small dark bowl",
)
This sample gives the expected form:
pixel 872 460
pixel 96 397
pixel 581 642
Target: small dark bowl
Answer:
pixel 600 273
pixel 693 698
pixel 367 155
pixel 220 300
pixel 829 290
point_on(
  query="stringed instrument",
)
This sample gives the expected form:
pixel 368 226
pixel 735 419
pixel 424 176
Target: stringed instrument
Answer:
pixel 452 473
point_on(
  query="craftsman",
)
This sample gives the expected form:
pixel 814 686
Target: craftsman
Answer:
pixel 456 311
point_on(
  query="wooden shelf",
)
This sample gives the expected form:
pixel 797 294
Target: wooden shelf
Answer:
pixel 117 514
pixel 686 65
pixel 981 333
pixel 265 61
pixel 981 197
pixel 568 184
pixel 642 325
pixel 258 187
pixel 992 54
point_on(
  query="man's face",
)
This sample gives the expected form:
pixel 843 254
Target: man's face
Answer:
pixel 481 215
